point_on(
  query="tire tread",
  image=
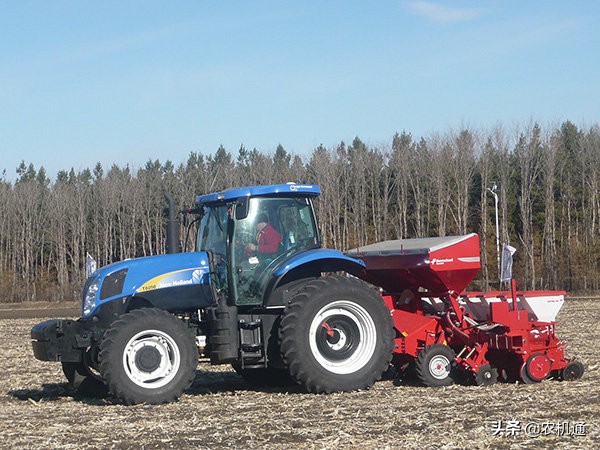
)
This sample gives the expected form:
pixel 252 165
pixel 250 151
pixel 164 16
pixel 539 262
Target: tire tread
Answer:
pixel 293 353
pixel 110 357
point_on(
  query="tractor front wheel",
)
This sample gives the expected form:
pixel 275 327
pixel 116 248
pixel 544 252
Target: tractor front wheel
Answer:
pixel 336 335
pixel 148 356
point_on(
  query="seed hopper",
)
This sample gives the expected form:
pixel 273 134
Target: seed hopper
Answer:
pixel 443 332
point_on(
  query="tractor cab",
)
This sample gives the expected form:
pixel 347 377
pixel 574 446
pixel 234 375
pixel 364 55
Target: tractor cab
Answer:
pixel 251 232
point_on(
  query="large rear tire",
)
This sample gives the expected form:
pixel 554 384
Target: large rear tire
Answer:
pixel 336 335
pixel 148 356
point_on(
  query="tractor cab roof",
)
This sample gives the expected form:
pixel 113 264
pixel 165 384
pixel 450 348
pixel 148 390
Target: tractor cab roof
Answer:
pixel 272 190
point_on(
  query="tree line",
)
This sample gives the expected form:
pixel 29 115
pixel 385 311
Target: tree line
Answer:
pixel 547 180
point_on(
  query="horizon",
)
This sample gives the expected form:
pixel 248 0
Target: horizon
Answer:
pixel 512 134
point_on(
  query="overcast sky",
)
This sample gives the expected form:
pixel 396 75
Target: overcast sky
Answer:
pixel 127 81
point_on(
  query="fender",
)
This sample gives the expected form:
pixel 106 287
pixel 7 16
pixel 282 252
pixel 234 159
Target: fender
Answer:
pixel 174 282
pixel 308 265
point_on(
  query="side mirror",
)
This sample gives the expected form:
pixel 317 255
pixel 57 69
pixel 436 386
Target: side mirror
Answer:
pixel 241 208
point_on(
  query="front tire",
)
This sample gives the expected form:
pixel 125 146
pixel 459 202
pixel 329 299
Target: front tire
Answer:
pixel 336 335
pixel 148 356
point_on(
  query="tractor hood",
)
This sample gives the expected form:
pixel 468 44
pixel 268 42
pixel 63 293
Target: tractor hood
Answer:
pixel 161 278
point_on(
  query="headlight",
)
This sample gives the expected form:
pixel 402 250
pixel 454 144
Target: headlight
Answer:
pixel 89 297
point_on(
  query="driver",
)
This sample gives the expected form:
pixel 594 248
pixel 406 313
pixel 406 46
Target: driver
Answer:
pixel 267 238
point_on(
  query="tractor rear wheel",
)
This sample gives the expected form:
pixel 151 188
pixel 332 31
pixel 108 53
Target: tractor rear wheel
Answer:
pixel 336 335
pixel 148 356
pixel 434 365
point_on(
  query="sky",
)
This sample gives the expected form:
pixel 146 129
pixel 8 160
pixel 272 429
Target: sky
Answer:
pixel 124 82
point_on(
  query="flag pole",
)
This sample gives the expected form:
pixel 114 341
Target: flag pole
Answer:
pixel 493 191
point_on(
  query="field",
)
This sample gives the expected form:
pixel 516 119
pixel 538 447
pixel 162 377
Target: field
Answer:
pixel 38 410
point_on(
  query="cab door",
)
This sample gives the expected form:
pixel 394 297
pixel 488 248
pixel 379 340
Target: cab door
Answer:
pixel 291 224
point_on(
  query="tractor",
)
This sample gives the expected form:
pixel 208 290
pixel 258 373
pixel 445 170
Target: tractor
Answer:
pixel 269 312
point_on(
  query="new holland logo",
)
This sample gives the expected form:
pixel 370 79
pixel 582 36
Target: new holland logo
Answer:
pixel 174 279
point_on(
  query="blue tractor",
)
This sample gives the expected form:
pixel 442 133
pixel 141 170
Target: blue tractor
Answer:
pixel 259 293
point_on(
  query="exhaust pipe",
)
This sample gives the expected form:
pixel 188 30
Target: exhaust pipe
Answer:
pixel 172 226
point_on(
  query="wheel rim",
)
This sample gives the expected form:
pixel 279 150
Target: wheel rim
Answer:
pixel 151 359
pixel 439 367
pixel 538 367
pixel 342 337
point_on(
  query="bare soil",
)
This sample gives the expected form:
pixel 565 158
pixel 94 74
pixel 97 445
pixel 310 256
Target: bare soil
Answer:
pixel 27 310
pixel 39 410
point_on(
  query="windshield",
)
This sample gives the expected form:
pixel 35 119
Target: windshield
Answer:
pixel 212 231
